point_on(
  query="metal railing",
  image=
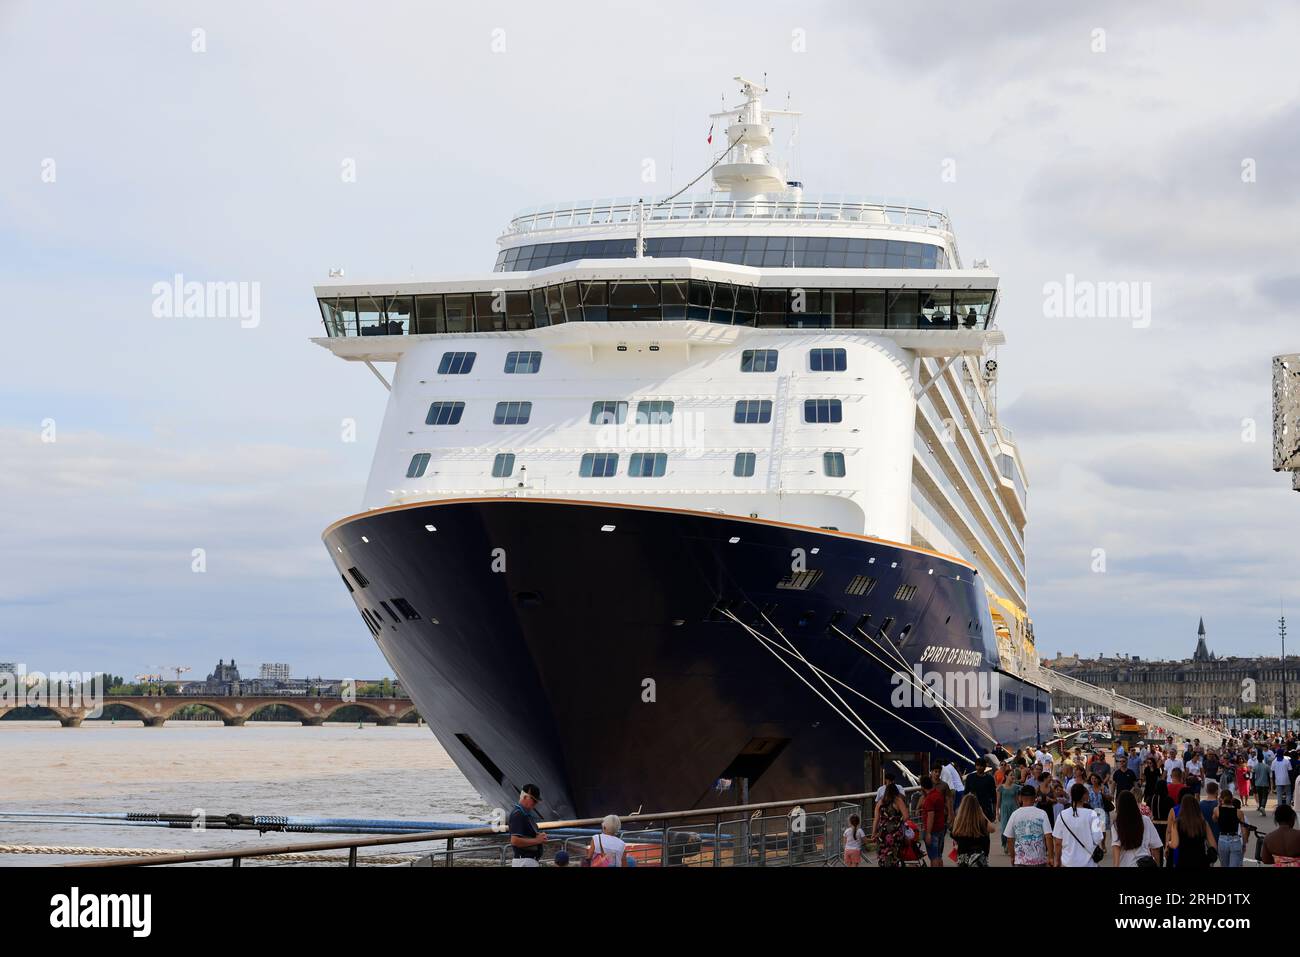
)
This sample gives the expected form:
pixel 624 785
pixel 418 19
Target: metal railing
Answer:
pixel 777 833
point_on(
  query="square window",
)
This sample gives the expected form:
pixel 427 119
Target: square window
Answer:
pixel 599 465
pixel 444 413
pixel 419 463
pixel 608 412
pixel 654 412
pixel 523 363
pixel 456 363
pixel 512 413
pixel 753 411
pixel 828 360
pixel 744 467
pixel 823 410
pixel 833 464
pixel 647 464
pixel 758 360
pixel 503 466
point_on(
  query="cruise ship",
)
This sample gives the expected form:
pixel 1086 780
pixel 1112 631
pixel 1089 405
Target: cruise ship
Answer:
pixel 693 490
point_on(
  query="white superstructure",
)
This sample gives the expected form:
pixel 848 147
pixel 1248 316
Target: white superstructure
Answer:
pixel 822 361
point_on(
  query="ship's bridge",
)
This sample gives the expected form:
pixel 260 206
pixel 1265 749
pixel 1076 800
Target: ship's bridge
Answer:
pixel 785 229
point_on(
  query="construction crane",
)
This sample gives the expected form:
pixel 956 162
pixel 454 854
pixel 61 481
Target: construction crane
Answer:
pixel 179 669
pixel 148 680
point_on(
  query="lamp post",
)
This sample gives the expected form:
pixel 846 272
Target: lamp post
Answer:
pixel 1281 631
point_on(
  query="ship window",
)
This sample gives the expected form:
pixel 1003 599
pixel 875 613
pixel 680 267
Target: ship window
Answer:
pixel 744 467
pixel 512 413
pixel 419 462
pixel 1009 700
pixel 800 581
pixel 523 363
pixel 503 466
pixel 905 592
pixel 833 464
pixel 389 611
pixel 828 360
pixel 647 464
pixel 860 585
pixel 754 411
pixel 357 577
pixel 456 363
pixel 599 465
pixel 1028 703
pixel 608 413
pixel 428 315
pixel 1041 707
pixel 405 607
pixel 444 413
pixel 758 360
pixel 459 313
pixel 654 412
pixel 822 410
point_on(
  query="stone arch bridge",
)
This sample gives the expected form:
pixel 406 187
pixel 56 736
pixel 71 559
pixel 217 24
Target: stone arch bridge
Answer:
pixel 153 710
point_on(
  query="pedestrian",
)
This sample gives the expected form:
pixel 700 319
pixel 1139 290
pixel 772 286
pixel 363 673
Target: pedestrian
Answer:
pixel 1262 777
pixel 607 849
pixel 1135 842
pixel 853 837
pixel 970 833
pixel 1029 829
pixel 1210 804
pixel 526 839
pixel 934 821
pixel 1282 845
pixel 1227 823
pixel 888 828
pixel 1008 799
pixel 1241 776
pixel 1190 836
pixel 1282 778
pixel 980 783
pixel 1078 833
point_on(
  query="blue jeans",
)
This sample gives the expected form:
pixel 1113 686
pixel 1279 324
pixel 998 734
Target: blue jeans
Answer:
pixel 1230 850
pixel 1284 794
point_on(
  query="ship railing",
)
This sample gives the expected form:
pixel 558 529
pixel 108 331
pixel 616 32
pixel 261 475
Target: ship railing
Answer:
pixel 824 211
pixel 806 831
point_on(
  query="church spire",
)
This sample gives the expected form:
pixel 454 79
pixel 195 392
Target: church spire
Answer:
pixel 1202 652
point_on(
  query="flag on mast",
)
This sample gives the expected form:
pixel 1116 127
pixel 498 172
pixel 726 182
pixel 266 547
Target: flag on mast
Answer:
pixel 710 134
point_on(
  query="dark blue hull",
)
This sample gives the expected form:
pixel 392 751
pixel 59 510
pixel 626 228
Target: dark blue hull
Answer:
pixel 605 666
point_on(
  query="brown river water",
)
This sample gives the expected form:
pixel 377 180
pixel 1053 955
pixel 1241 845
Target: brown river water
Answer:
pixel 262 768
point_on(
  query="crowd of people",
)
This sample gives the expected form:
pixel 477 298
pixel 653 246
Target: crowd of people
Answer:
pixel 1152 804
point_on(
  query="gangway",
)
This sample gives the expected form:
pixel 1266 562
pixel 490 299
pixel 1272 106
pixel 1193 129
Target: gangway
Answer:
pixel 1154 717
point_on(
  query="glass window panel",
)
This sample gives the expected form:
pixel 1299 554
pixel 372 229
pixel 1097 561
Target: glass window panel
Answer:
pixel 746 305
pixel 599 465
pixel 428 315
pixel 554 305
pixel 758 360
pixel 833 464
pixel 753 411
pixel 397 315
pixel 724 303
pixel 869 308
pixel 608 412
pixel 540 316
pixel 444 413
pixel 701 293
pixel 936 308
pixel 744 467
pixel 822 410
pixel 654 412
pixel 340 316
pixel 904 308
pixel 489 311
pixel 594 301
pixel 571 309
pixel 972 307
pixel 456 363
pixel 827 360
pixel 754 250
pixel 460 313
pixel 503 466
pixel 519 314
pixel 370 313
pixel 840 306
pixel 647 464
pixel 673 292
pixel 523 363
pixel 512 413
pixel 419 463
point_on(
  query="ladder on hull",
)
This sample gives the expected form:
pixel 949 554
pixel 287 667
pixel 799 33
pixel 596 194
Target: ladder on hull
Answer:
pixel 1154 717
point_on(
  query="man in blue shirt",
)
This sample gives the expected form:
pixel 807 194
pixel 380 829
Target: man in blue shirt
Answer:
pixel 1209 804
pixel 527 841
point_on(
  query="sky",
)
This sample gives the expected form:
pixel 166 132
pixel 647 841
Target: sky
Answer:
pixel 266 143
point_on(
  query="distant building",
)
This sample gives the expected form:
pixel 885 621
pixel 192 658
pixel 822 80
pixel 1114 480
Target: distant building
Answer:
pixel 1205 685
pixel 8 668
pixel 224 680
pixel 274 671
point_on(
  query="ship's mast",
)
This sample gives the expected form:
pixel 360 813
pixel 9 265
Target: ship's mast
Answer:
pixel 749 172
